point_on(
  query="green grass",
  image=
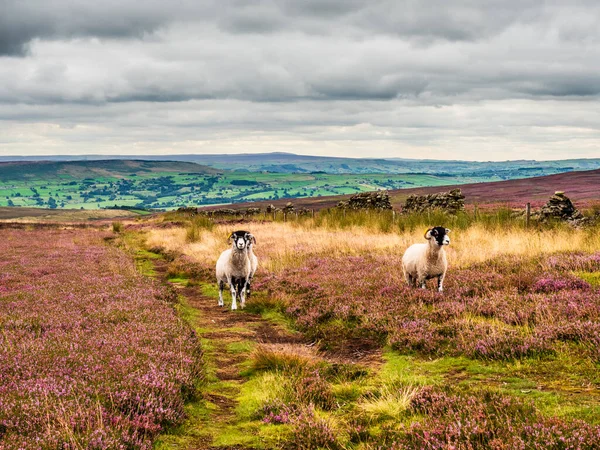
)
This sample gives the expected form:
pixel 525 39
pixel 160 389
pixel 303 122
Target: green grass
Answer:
pixel 554 385
pixel 591 277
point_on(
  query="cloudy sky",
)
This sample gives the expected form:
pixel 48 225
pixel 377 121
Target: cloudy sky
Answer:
pixel 443 79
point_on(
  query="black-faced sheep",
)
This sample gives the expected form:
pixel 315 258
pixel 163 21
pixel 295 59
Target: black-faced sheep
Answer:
pixel 234 268
pixel 421 262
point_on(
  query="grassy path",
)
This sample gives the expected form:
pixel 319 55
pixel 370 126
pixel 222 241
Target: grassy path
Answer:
pixel 228 339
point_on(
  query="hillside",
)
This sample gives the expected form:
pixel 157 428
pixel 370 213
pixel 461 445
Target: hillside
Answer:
pixel 63 170
pixel 279 162
pixel 580 186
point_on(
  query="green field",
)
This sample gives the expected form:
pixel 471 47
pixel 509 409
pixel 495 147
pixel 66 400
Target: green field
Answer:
pixel 169 185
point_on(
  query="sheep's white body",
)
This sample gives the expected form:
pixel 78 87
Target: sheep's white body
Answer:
pixel 422 262
pixel 234 266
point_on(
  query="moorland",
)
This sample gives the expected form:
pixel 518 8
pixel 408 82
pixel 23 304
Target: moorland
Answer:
pixel 112 336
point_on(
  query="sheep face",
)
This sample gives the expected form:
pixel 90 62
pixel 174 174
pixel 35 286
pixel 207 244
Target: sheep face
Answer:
pixel 242 239
pixel 239 239
pixel 439 235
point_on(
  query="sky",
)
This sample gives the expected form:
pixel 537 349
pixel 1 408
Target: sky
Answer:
pixel 438 79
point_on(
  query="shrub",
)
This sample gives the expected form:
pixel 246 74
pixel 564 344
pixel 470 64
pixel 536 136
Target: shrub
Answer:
pixel 312 432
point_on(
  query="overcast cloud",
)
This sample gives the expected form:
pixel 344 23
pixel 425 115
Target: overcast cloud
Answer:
pixel 455 79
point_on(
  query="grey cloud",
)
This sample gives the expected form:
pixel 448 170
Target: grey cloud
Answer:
pixel 22 21
pixel 318 74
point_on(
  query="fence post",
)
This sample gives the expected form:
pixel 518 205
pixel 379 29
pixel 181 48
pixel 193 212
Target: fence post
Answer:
pixel 475 212
pixel 313 213
pixel 393 216
pixel 284 216
pixel 527 214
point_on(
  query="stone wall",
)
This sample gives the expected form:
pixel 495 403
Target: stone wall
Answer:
pixel 379 200
pixel 452 201
pixel 560 207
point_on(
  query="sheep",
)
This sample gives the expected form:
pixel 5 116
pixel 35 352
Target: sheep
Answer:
pixel 234 267
pixel 253 263
pixel 421 262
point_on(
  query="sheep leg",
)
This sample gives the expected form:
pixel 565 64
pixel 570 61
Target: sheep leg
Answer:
pixel 421 281
pixel 242 288
pixel 408 278
pixel 221 286
pixel 441 282
pixel 248 287
pixel 412 281
pixel 233 293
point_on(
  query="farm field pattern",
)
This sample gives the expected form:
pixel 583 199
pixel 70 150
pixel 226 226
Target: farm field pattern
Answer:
pixel 169 185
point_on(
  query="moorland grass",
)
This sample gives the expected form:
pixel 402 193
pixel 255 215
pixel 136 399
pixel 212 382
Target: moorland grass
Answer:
pixel 515 329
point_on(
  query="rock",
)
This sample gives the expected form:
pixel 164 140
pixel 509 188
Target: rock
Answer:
pixel 188 210
pixel 560 207
pixel 223 212
pixel 367 200
pixel 252 211
pixel 288 208
pixel 452 202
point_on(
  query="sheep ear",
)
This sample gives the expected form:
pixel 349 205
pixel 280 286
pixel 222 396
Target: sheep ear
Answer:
pixel 448 230
pixel 230 238
pixel 428 234
pixel 253 239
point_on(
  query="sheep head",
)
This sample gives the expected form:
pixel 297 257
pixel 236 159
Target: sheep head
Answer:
pixel 241 239
pixel 439 235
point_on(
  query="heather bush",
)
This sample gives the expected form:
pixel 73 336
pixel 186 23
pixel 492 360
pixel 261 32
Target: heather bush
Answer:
pixel 551 283
pixel 502 310
pixel 312 432
pixel 312 388
pixel 277 412
pixel 485 421
pixel 92 354
pixel 574 262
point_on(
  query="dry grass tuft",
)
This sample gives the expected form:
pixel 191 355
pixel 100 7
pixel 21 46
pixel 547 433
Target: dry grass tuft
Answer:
pixel 285 358
pixel 389 403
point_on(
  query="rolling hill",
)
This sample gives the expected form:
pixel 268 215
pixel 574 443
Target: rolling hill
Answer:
pixel 290 163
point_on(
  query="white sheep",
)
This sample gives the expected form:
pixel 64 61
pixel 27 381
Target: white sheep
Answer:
pixel 421 262
pixel 234 268
pixel 253 264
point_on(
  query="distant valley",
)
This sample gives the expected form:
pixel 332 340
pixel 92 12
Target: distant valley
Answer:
pixel 201 180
